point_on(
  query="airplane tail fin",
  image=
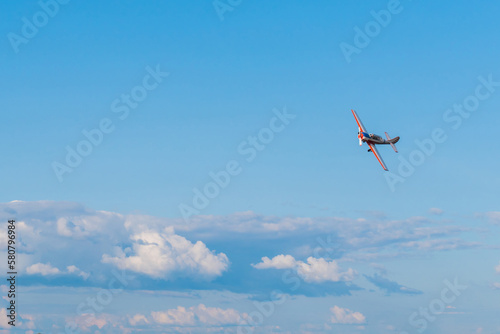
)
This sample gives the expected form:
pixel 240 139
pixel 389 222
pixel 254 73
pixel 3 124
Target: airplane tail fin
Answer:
pixel 392 141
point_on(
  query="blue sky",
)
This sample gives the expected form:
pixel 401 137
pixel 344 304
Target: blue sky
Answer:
pixel 229 75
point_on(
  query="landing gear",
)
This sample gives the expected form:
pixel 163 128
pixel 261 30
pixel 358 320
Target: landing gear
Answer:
pixel 369 150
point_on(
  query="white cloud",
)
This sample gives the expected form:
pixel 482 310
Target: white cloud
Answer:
pixel 88 320
pixel 4 321
pixel 250 222
pixel 75 270
pixel 64 228
pixel 44 269
pixel 138 319
pixel 24 321
pixel 27 321
pixel 179 316
pixel 198 315
pixel 25 228
pixel 81 226
pixel 315 270
pixel 365 239
pixel 277 262
pixel 320 270
pixel 346 316
pixel 164 254
pixel 218 316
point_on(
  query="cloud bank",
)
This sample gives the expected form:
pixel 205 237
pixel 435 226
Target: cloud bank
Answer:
pixel 162 254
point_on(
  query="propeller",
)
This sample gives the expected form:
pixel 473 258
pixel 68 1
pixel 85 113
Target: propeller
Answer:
pixel 360 137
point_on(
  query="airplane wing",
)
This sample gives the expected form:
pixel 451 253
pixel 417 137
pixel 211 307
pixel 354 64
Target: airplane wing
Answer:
pixel 360 125
pixel 377 155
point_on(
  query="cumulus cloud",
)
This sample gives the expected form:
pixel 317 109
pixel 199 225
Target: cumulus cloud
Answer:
pixel 140 243
pixel 88 321
pixel 23 321
pixel 277 262
pixel 138 319
pixel 63 229
pixel 198 315
pixel 179 316
pixel 165 254
pixel 314 270
pixel 76 271
pixel 218 316
pixel 346 316
pixel 27 321
pixel 194 319
pixel 46 269
pixel 320 270
pixel 4 321
pixel 84 225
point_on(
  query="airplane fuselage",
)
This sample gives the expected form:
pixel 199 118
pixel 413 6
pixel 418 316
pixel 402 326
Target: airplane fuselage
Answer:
pixel 375 139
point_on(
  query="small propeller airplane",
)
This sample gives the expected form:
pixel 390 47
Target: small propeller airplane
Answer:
pixel 372 140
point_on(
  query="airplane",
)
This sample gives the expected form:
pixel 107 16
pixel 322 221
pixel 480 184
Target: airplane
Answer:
pixel 372 140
